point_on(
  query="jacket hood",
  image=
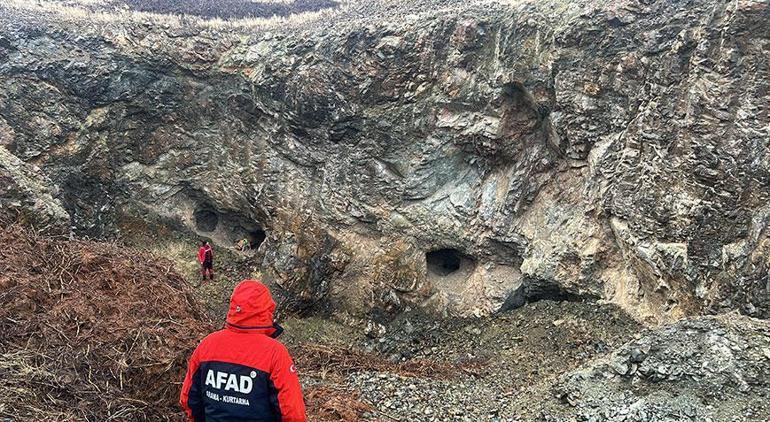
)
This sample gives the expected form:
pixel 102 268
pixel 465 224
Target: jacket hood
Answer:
pixel 251 309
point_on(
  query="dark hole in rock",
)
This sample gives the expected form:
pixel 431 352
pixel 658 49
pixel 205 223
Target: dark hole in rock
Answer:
pixel 206 220
pixel 521 113
pixel 256 237
pixel 535 290
pixel 444 262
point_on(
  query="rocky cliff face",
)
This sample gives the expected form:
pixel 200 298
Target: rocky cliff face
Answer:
pixel 462 158
pixel 27 197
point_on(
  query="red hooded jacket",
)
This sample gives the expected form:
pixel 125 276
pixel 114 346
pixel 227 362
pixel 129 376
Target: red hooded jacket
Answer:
pixel 241 372
pixel 202 253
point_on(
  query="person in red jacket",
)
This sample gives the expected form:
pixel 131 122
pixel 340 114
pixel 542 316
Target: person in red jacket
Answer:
pixel 241 372
pixel 206 258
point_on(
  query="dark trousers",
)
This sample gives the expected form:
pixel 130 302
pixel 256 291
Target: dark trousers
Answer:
pixel 207 269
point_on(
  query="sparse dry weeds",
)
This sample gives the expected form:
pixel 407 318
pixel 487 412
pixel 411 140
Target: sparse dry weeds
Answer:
pixel 331 403
pixel 324 361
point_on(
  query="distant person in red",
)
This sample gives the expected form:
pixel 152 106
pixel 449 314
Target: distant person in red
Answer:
pixel 206 258
pixel 241 373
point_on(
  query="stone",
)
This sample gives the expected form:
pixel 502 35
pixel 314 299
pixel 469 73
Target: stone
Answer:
pixel 620 368
pixel 637 355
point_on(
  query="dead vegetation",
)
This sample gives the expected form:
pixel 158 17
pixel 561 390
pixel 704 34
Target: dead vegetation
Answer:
pixel 89 331
pixel 333 403
pixel 326 361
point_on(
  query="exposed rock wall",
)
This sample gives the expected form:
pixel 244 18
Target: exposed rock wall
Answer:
pixel 617 150
pixel 27 197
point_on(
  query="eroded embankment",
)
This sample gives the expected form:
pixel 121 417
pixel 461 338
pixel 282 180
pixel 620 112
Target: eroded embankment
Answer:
pixel 97 331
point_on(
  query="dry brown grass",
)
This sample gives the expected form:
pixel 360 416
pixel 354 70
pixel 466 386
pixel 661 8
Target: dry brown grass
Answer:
pixel 90 331
pixel 330 362
pixel 332 403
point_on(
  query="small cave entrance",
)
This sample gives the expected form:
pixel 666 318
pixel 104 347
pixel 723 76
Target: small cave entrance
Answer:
pixel 228 228
pixel 206 220
pixel 255 238
pixel 445 262
pixel 247 235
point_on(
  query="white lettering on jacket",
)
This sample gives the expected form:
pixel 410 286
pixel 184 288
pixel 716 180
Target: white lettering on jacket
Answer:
pixel 230 382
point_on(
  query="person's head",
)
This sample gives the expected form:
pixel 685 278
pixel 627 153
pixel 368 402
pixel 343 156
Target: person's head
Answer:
pixel 251 307
pixel 204 243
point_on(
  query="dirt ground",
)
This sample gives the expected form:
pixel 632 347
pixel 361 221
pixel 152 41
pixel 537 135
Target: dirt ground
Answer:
pixel 496 368
pixel 504 365
pixel 60 348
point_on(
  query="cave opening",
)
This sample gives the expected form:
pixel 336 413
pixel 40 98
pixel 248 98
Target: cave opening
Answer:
pixel 206 220
pixel 255 238
pixel 443 262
